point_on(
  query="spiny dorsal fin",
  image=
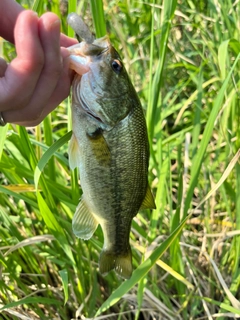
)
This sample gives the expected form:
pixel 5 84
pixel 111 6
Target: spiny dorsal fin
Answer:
pixel 84 223
pixel 73 152
pixel 148 202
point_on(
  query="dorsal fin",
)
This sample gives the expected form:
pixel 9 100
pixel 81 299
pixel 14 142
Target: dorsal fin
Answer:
pixel 148 202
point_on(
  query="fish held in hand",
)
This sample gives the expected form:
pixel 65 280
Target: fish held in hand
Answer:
pixel 110 147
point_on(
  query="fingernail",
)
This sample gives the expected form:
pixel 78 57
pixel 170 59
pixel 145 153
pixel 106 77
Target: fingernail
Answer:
pixel 56 23
pixel 34 14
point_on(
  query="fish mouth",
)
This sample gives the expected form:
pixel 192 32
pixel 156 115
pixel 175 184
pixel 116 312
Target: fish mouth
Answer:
pixel 77 60
pixel 82 54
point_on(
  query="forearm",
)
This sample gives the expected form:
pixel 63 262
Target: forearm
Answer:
pixel 9 10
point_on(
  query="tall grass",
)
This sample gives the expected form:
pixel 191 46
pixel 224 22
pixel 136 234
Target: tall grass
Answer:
pixel 183 58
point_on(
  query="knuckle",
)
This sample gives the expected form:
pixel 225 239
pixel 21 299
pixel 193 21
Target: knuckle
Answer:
pixel 11 101
pixel 32 115
pixel 35 122
pixel 36 116
pixel 54 69
pixel 34 65
pixel 21 102
pixel 3 67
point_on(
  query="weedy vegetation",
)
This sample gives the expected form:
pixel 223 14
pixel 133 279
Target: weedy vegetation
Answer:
pixel 183 58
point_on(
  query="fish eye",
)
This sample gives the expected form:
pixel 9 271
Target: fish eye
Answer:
pixel 116 66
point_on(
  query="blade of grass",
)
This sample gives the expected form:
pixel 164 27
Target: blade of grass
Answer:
pixel 54 227
pixel 18 196
pixel 31 300
pixel 64 277
pixel 223 52
pixel 169 7
pixel 72 7
pixel 235 303
pixel 150 96
pixel 224 306
pixel 49 141
pixel 98 18
pixel 157 214
pixel 3 133
pixel 196 165
pixel 31 156
pixel 47 155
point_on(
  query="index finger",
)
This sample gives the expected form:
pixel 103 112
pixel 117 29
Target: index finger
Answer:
pixel 21 76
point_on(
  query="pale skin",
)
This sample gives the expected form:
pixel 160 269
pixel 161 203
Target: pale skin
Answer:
pixel 38 79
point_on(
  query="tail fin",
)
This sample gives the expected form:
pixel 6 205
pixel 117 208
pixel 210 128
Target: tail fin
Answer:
pixel 122 264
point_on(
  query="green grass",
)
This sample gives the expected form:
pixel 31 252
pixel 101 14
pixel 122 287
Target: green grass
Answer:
pixel 183 58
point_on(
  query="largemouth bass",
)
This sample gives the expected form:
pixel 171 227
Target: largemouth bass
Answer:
pixel 110 147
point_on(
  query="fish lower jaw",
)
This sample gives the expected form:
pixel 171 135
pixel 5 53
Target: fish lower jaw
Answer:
pixel 79 68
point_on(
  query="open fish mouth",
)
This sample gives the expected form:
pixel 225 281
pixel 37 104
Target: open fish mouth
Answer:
pixel 81 54
pixel 80 64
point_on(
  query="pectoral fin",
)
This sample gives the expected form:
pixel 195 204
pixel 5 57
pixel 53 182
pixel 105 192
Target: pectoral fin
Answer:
pixel 148 202
pixel 84 223
pixel 99 147
pixel 73 152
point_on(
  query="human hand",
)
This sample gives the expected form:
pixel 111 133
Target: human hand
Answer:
pixel 38 79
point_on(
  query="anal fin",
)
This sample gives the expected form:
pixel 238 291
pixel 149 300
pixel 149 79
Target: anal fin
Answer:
pixel 84 223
